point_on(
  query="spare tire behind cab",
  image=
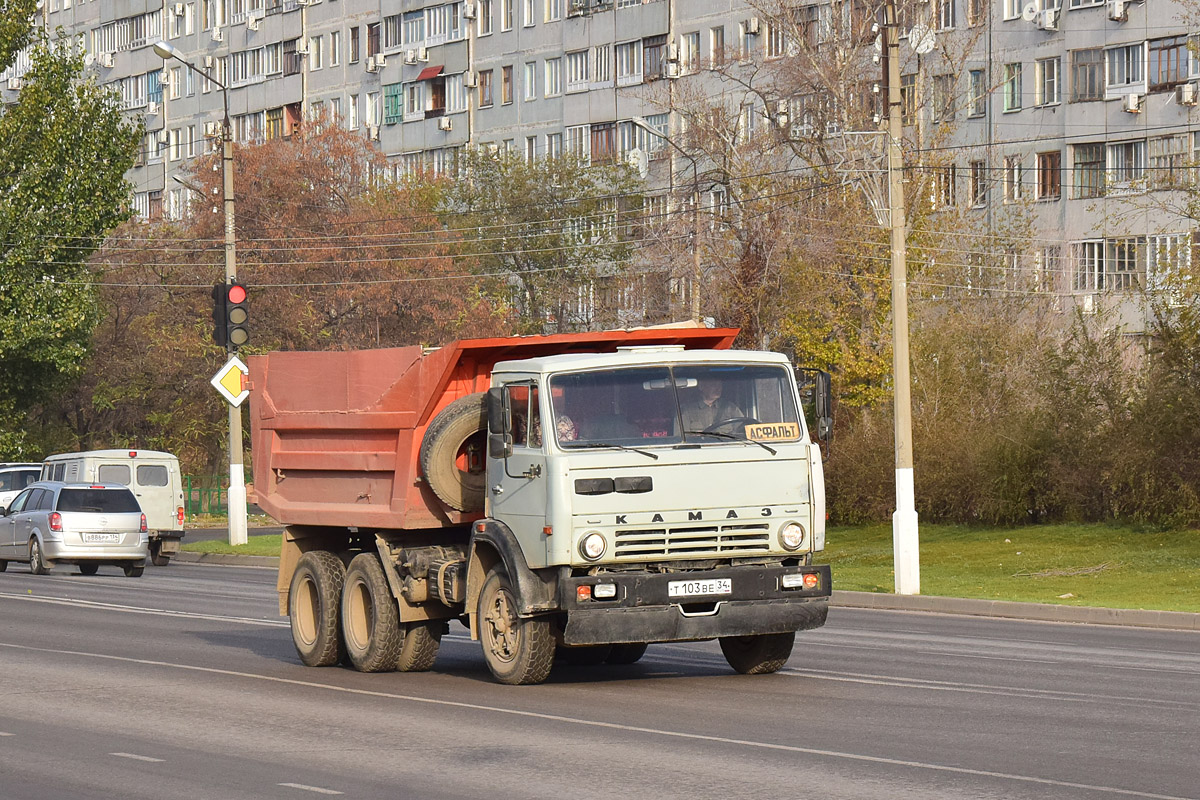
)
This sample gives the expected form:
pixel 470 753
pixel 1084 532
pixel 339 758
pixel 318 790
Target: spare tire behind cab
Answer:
pixel 454 453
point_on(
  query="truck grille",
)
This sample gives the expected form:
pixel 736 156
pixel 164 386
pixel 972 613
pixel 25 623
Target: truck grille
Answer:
pixel 707 540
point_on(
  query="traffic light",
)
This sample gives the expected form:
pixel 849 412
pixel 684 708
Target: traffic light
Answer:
pixel 230 314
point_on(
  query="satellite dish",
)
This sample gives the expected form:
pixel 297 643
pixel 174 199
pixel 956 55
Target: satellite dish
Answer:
pixel 1029 12
pixel 921 39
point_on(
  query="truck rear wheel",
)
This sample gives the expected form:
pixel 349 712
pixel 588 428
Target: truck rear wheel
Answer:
pixel 758 655
pixel 626 653
pixel 420 647
pixel 370 619
pixel 156 555
pixel 518 651
pixel 314 599
pixel 453 453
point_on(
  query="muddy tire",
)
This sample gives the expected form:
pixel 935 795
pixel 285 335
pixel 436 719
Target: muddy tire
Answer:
pixel 420 647
pixel 156 556
pixel 518 651
pixel 758 655
pixel 314 603
pixel 453 453
pixel 626 653
pixel 133 569
pixel 370 619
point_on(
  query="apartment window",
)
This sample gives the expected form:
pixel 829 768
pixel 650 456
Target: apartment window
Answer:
pixel 943 98
pixel 335 48
pixel 1087 75
pixel 553 77
pixel 944 13
pixel 1049 175
pixel 629 63
pixel 976 12
pixel 506 85
pixel 352 118
pixel 689 52
pixel 413 32
pixel 1047 262
pixel 978 183
pixel 1012 9
pixel 1046 73
pixel 554 10
pixel 1168 161
pixel 577 141
pixel 1013 179
pixel 554 145
pixel 506 15
pixel 1124 262
pixel 373 39
pixel 654 53
pixel 354 45
pixel 776 41
pixel 943 185
pixel 315 53
pixel 1168 62
pixel 577 71
pixel 604 141
pixel 908 97
pixel 1126 164
pixel 274 128
pixel 1089 265
pixel 602 61
pixel 977 100
pixel 1124 67
pixel 1168 255
pixel 1089 169
pixel 530 149
pixel 530 82
pixel 716 45
pixel 485 88
pixel 484 23
pixel 393 103
pixel 528 8
pixel 414 100
pixel 1012 87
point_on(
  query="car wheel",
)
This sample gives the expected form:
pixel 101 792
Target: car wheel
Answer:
pixel 134 569
pixel 37 562
pixel 87 568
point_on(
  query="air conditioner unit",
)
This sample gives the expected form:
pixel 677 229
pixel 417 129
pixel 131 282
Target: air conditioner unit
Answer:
pixel 577 8
pixel 1132 103
pixel 752 26
pixel 373 133
pixel 212 129
pixel 468 11
pixel 209 62
pixel 672 51
pixel 671 69
pixel 14 84
pixel 445 123
pixel 1091 303
pixel 163 136
pixel 151 108
pixel 372 66
pixel 1185 94
pixel 410 56
pixel 1118 10
pixel 422 54
pixel 305 2
pixel 179 9
pixel 217 35
pixel 1047 20
pixel 104 59
pixel 380 60
pixel 470 79
pixel 252 23
pixel 302 47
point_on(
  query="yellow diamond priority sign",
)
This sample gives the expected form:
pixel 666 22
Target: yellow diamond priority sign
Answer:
pixel 230 381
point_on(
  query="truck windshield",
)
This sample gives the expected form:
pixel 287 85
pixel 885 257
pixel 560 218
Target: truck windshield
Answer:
pixel 694 403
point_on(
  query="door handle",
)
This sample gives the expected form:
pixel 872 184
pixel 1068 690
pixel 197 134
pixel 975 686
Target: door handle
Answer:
pixel 497 489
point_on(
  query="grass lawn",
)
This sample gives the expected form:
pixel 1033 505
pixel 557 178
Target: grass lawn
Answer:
pixel 264 545
pixel 1082 565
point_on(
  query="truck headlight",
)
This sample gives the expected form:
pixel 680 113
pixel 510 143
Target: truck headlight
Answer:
pixel 592 546
pixel 791 536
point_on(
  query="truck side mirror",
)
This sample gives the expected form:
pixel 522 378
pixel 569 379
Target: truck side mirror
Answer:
pixel 499 445
pixel 817 384
pixel 499 411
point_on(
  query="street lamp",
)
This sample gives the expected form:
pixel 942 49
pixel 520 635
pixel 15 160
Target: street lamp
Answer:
pixel 237 470
pixel 645 125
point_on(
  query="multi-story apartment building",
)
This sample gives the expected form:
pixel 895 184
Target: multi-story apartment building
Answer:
pixel 1081 111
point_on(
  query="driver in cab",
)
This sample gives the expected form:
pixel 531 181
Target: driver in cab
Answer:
pixel 706 407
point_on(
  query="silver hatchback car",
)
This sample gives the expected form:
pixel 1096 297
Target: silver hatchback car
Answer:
pixel 52 522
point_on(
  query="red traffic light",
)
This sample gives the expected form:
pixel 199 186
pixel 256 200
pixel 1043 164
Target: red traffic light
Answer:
pixel 237 293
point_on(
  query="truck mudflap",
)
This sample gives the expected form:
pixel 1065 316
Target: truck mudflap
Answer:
pixel 645 607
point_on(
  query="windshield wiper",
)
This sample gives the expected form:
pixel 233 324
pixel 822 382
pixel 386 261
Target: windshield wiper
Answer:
pixel 614 447
pixel 732 438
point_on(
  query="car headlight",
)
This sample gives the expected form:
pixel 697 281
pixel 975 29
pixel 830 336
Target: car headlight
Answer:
pixel 592 546
pixel 791 536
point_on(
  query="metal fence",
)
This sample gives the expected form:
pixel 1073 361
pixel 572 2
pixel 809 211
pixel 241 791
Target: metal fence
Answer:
pixel 205 494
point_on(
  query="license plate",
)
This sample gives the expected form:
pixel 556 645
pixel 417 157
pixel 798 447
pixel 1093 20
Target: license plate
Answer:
pixel 696 588
pixel 102 538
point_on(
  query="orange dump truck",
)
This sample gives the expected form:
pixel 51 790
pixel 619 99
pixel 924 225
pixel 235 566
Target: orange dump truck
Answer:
pixel 581 495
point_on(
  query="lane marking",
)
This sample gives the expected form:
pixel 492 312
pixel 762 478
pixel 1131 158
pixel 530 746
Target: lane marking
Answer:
pixel 161 612
pixel 613 726
pixel 136 757
pixel 2 733
pixel 316 789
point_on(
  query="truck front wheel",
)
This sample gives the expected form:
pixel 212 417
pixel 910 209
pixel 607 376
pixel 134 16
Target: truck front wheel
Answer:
pixel 758 655
pixel 370 619
pixel 518 651
pixel 314 597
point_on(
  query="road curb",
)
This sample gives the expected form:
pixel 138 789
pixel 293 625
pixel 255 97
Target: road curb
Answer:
pixel 1007 609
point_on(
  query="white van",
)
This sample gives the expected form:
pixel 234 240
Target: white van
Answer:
pixel 152 476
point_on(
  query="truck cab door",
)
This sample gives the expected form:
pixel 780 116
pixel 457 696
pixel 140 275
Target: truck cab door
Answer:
pixel 517 483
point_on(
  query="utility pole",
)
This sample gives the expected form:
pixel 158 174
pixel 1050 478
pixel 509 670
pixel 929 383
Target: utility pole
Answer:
pixel 905 544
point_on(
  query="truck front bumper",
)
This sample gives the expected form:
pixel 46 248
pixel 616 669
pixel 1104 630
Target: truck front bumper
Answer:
pixel 643 610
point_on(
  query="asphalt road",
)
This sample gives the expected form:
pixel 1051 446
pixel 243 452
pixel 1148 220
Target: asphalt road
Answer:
pixel 184 684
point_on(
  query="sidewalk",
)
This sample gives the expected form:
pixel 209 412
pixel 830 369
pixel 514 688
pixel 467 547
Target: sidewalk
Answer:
pixel 1044 612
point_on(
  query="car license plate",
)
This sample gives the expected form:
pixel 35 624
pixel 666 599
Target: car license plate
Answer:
pixel 102 538
pixel 696 588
